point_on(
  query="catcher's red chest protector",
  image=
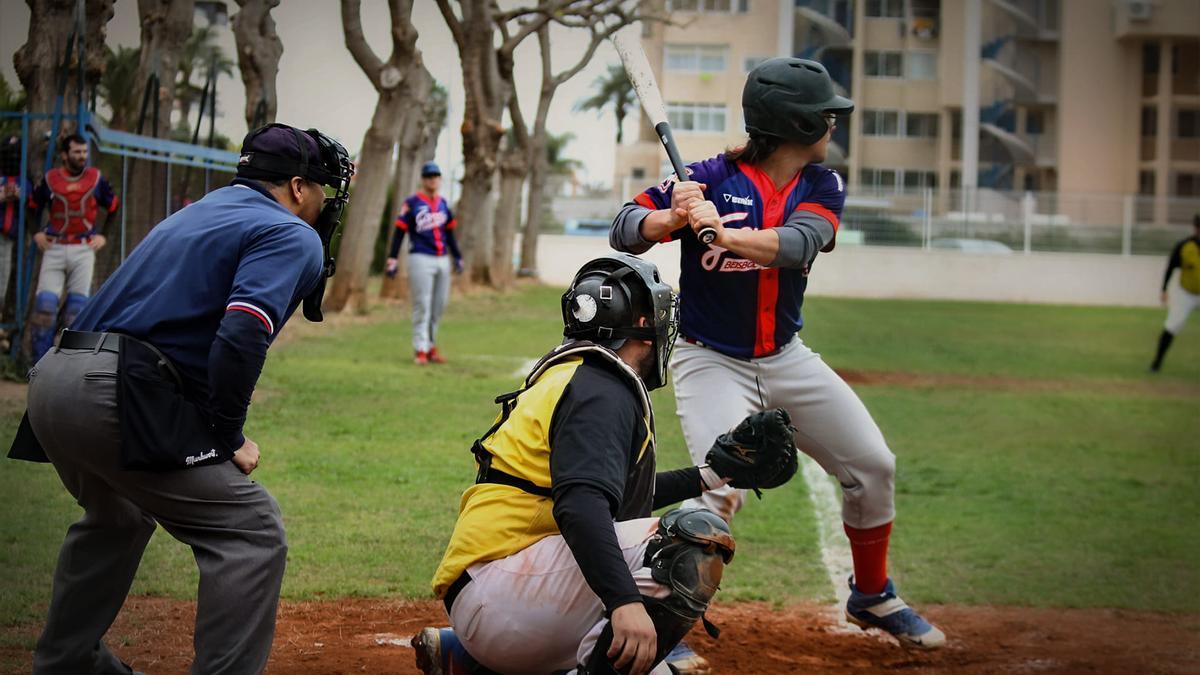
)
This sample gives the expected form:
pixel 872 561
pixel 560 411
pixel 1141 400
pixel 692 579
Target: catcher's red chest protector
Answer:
pixel 72 201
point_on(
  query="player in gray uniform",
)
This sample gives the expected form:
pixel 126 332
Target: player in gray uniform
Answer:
pixel 774 208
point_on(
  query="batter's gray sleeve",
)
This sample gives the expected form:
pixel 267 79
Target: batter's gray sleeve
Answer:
pixel 626 232
pixel 802 236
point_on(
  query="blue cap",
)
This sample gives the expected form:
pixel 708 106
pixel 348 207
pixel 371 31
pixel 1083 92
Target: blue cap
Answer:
pixel 430 169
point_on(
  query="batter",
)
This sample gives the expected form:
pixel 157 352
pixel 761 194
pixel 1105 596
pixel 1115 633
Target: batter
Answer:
pixel 774 208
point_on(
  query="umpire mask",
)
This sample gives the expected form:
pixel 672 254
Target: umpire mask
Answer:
pixel 281 151
pixel 608 298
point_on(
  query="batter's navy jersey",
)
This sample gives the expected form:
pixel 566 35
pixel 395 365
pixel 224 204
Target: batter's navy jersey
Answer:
pixel 235 250
pixel 427 221
pixel 729 303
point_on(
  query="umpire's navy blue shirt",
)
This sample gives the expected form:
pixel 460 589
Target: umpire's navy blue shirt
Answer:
pixel 210 287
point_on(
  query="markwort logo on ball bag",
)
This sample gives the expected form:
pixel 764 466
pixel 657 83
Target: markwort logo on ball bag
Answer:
pixel 193 459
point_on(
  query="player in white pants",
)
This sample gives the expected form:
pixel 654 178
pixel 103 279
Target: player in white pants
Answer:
pixel 773 208
pixel 1182 297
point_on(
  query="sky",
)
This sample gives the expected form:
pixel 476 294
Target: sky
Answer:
pixel 321 86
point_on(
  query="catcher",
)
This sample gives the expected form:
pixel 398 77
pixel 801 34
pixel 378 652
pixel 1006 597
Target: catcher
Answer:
pixel 555 565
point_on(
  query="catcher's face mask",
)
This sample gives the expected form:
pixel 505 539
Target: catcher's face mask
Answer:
pixel 608 298
pixel 331 167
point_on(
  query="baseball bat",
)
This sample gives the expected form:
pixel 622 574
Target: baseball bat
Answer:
pixel 637 68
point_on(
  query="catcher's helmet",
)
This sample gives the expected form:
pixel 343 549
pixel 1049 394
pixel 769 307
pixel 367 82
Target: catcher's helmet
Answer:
pixel 606 301
pixel 789 98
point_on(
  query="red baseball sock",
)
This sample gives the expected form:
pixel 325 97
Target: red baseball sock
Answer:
pixel 869 549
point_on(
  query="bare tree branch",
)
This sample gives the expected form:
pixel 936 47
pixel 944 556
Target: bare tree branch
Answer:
pixel 404 35
pixel 452 22
pixel 356 42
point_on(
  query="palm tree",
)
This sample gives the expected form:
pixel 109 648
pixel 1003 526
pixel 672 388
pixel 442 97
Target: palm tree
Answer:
pixel 557 163
pixel 11 100
pixel 119 87
pixel 612 88
pixel 200 52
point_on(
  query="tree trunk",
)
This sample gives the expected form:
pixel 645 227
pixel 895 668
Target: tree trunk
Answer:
pixel 513 168
pixel 486 97
pixel 165 27
pixel 395 81
pixel 38 60
pixel 259 50
pixel 361 229
pixel 534 206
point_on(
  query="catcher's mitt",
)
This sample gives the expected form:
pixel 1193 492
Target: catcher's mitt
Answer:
pixel 759 453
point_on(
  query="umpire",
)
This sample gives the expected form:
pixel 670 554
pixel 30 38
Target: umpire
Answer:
pixel 140 407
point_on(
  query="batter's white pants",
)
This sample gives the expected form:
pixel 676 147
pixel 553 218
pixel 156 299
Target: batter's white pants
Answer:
pixel 429 288
pixel 713 392
pixel 1180 303
pixel 533 612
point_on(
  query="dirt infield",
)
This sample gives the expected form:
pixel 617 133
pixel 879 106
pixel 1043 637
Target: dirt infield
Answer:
pixel 370 636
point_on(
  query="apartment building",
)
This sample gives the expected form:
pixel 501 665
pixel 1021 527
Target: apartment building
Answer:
pixel 1068 96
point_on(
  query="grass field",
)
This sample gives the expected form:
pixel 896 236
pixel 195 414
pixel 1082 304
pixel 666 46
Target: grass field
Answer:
pixel 1039 464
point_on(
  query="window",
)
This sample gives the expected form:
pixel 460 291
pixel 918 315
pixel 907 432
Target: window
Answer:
pixel 921 65
pixel 1150 52
pixel 1035 122
pixel 921 125
pixel 899 123
pixel 751 62
pixel 881 123
pixel 1187 184
pixel 1188 124
pixel 1145 182
pixel 697 117
pixel 883 64
pixel 885 8
pixel 638 173
pixel 1149 122
pixel 696 58
pixel 709 6
pixel 916 180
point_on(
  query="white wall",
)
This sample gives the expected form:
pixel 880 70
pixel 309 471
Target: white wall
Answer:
pixel 883 272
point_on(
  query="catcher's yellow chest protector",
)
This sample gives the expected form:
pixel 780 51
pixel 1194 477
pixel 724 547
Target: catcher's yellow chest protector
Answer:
pixel 509 508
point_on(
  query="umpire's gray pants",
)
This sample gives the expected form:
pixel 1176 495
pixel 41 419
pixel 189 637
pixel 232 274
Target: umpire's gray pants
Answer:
pixel 429 288
pixel 231 523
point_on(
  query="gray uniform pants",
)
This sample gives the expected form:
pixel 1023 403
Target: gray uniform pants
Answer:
pixel 713 392
pixel 67 267
pixel 429 288
pixel 231 523
pixel 6 266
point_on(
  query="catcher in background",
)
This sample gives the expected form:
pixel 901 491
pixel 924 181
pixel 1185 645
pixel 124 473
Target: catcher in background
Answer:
pixel 1184 296
pixel 774 208
pixel 555 565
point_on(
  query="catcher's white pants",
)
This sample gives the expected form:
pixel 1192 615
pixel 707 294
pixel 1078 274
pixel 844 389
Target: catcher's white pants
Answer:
pixel 1180 303
pixel 713 392
pixel 532 612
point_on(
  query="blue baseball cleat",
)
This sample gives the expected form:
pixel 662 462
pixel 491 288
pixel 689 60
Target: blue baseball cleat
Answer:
pixel 888 612
pixel 684 661
pixel 439 652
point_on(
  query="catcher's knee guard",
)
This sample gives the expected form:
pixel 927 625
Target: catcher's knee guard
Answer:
pixel 688 555
pixel 75 304
pixel 41 323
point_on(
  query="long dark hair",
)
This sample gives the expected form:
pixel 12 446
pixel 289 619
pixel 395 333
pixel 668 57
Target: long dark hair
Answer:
pixel 756 150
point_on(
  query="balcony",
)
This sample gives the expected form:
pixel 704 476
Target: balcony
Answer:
pixel 832 19
pixel 1031 19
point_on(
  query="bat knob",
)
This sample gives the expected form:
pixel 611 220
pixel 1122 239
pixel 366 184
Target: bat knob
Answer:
pixel 707 235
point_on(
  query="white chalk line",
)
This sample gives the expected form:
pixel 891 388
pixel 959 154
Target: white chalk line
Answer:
pixel 835 549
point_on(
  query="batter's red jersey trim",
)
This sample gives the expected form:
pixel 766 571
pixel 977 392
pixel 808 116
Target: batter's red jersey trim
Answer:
pixel 773 203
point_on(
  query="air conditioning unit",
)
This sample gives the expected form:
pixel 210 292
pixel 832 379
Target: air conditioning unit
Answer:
pixel 1140 10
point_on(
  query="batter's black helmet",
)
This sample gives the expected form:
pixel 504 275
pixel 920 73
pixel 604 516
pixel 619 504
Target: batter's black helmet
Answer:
pixel 789 98
pixel 609 296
